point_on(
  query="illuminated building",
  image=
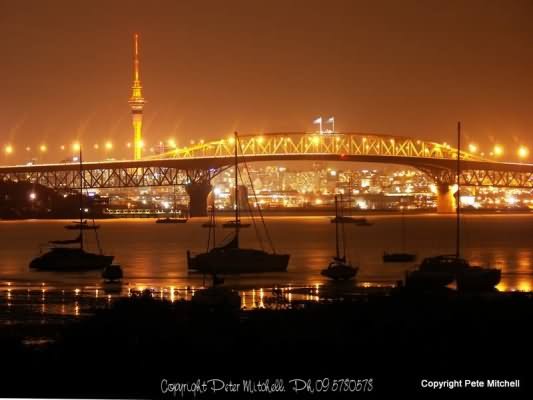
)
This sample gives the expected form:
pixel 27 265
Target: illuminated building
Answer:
pixel 136 102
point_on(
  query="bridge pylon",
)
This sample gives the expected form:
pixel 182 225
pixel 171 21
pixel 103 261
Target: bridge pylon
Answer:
pixel 446 198
pixel 198 187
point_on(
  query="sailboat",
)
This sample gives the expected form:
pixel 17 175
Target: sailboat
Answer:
pixel 230 258
pixel 64 257
pixel 339 268
pixel 77 225
pixel 174 219
pixel 402 256
pixel 439 271
pixel 473 278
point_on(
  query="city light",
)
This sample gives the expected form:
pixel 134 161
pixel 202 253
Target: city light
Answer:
pixel 96 146
pixel 28 148
pixel 498 150
pixel 62 147
pixel 8 149
pixel 108 145
pixel 128 145
pixel 33 196
pixel 472 148
pixel 171 143
pixel 523 152
pixel 43 148
pixel 76 146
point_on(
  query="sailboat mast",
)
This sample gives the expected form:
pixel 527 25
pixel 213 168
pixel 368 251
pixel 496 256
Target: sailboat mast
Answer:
pixel 403 228
pixel 212 225
pixel 458 201
pixel 236 205
pixel 237 219
pixel 337 227
pixel 81 201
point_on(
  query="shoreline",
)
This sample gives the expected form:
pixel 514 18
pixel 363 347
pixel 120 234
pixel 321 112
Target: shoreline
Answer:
pixel 323 212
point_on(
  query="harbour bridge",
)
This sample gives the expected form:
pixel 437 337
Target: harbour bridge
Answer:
pixel 195 166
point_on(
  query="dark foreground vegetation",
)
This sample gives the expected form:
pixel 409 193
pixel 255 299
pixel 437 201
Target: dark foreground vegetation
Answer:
pixel 396 340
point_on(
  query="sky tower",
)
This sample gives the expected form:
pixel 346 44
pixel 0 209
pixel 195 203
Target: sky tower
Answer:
pixel 136 102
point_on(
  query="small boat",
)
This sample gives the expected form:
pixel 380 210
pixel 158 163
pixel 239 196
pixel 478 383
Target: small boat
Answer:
pixel 435 272
pixel 348 220
pixel 230 258
pixel 174 219
pixel 339 268
pixel 60 258
pixel 235 224
pixel 364 223
pixel 444 263
pixel 478 279
pixel 63 257
pixel 442 270
pixel 401 256
pixel 112 273
pixel 398 257
pixel 170 220
pixel 81 225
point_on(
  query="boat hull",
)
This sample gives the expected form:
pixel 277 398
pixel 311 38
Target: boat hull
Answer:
pixel 340 272
pixel 171 221
pixel 348 220
pixel 399 257
pixel 70 260
pixel 428 280
pixel 237 261
pixel 478 279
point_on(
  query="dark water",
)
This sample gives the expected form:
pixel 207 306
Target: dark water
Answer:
pixel 153 255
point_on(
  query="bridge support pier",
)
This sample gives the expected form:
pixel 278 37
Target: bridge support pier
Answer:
pixel 198 193
pixel 446 201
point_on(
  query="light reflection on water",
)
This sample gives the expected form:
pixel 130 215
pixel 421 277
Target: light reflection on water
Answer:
pixel 153 256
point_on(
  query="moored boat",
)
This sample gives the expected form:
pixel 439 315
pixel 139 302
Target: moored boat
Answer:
pixel 339 268
pixel 230 258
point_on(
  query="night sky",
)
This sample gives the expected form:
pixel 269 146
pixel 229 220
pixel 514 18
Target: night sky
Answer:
pixel 210 67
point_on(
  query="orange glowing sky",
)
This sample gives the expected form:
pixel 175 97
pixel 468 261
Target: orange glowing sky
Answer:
pixel 210 67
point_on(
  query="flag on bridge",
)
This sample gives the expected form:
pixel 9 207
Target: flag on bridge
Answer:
pixel 319 122
pixel 331 120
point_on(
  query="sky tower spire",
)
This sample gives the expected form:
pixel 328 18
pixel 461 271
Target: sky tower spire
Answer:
pixel 136 102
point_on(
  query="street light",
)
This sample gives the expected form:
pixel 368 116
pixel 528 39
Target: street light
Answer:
pixel 76 146
pixel 498 150
pixel 8 149
pixel 523 152
pixel 43 148
pixel 108 145
pixel 472 148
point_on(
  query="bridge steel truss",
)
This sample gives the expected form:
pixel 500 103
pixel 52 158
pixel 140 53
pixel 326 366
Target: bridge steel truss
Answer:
pixel 201 162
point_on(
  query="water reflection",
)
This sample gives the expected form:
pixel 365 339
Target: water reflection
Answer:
pixel 158 259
